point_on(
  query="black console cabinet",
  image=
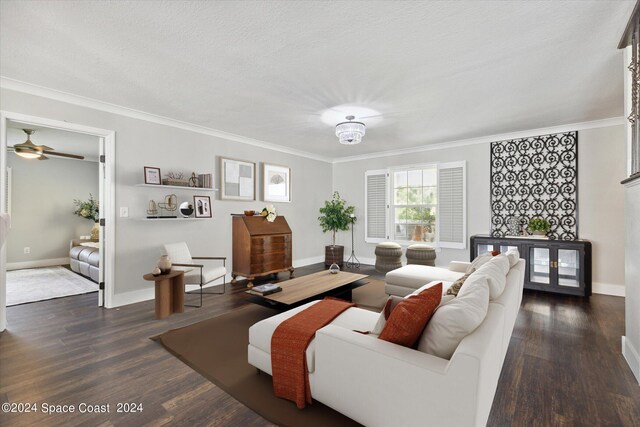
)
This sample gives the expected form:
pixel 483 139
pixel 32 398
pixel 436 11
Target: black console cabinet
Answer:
pixel 560 266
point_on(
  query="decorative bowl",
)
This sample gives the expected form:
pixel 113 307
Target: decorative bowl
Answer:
pixel 249 213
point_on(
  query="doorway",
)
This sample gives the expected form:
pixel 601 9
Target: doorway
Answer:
pixel 106 192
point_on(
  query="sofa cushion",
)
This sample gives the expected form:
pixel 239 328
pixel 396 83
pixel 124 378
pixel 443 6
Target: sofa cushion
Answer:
pixel 415 276
pixel 407 321
pixel 353 318
pixel 481 260
pixel 514 256
pixel 495 276
pixel 456 319
pixel 455 286
pixel 391 303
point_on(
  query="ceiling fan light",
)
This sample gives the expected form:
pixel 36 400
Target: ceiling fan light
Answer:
pixel 28 154
pixel 350 133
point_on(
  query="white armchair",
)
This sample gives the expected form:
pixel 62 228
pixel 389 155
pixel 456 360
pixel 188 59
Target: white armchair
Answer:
pixel 196 273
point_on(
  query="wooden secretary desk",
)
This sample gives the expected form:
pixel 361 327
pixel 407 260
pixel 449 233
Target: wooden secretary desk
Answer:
pixel 260 247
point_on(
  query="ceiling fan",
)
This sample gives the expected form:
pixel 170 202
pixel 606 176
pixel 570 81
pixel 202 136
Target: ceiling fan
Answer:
pixel 29 150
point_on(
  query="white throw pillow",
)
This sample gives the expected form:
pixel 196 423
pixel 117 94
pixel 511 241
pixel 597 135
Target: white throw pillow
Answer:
pixel 456 319
pixel 501 261
pixel 493 272
pixel 514 256
pixel 479 261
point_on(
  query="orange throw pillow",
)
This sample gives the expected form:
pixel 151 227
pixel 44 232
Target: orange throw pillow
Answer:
pixel 408 319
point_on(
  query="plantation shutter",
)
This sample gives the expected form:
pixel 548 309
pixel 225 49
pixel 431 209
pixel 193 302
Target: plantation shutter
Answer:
pixel 451 218
pixel 375 205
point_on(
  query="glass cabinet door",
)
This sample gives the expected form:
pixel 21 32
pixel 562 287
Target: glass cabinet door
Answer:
pixel 483 248
pixel 569 268
pixel 505 248
pixel 539 265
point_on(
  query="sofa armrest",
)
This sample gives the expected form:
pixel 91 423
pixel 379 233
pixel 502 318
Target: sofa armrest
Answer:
pixel 378 383
pixel 459 266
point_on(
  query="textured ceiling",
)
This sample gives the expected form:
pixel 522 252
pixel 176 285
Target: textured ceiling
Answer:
pixel 436 71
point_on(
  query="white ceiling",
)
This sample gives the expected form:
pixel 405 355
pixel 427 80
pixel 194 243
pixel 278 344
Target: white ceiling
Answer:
pixel 59 140
pixel 436 71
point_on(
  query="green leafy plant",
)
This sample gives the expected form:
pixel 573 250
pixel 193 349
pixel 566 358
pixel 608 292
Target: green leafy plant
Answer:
pixel 89 209
pixel 539 224
pixel 335 216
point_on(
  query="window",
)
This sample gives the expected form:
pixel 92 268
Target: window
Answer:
pixel 425 203
pixel 413 209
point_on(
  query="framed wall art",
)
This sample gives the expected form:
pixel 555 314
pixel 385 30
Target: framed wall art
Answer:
pixel 152 176
pixel 237 179
pixel 202 206
pixel 277 183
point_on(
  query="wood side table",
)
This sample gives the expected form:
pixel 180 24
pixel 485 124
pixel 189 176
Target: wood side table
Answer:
pixel 169 292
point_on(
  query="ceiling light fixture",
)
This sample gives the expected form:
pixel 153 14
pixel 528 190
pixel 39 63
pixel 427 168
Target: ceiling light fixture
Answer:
pixel 350 133
pixel 28 149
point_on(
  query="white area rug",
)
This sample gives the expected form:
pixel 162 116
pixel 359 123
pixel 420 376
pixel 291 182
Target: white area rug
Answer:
pixel 39 284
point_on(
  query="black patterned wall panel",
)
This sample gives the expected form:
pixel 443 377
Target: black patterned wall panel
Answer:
pixel 535 177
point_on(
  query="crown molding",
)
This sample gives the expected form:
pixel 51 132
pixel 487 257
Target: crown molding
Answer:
pixel 32 89
pixel 613 121
pixel 69 98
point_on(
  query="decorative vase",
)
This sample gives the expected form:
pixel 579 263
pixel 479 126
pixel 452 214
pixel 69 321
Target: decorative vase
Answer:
pixel 164 264
pixel 334 269
pixel 156 271
pixel 539 233
pixel 95 231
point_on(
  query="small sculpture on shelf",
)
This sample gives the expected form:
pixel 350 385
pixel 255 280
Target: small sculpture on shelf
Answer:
pixel 152 210
pixel 170 204
pixel 193 181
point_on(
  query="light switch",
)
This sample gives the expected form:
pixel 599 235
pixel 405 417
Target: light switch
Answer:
pixel 124 212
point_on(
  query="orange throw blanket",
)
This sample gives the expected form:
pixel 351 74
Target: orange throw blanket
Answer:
pixel 289 343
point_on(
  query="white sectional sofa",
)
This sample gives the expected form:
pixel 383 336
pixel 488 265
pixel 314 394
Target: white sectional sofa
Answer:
pixel 378 383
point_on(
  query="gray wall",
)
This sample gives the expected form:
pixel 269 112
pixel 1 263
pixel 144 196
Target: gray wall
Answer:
pixel 140 143
pixel 42 206
pixel 601 199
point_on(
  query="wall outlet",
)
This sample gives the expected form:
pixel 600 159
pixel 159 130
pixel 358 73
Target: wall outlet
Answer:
pixel 124 212
pixel 27 250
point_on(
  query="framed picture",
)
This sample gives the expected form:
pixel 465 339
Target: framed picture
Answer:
pixel 277 183
pixel 152 176
pixel 202 206
pixel 237 179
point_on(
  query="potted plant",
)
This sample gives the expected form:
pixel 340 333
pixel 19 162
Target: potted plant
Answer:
pixel 539 226
pixel 89 209
pixel 335 216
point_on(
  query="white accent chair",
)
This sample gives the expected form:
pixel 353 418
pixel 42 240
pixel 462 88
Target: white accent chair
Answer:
pixel 196 274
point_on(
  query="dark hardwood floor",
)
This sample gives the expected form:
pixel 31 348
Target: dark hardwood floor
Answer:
pixel 563 366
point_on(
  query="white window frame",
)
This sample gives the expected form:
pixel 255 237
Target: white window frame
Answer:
pixel 390 212
pixel 389 221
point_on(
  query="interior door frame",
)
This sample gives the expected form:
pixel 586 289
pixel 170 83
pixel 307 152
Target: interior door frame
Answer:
pixel 107 208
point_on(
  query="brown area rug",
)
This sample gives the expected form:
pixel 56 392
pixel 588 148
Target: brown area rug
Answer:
pixel 217 349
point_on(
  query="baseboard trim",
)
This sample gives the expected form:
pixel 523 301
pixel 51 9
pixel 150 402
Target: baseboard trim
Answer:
pixel 631 356
pixel 608 289
pixel 307 261
pixel 37 263
pixel 140 295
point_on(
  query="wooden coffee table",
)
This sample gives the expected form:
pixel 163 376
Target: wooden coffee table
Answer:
pixel 303 289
